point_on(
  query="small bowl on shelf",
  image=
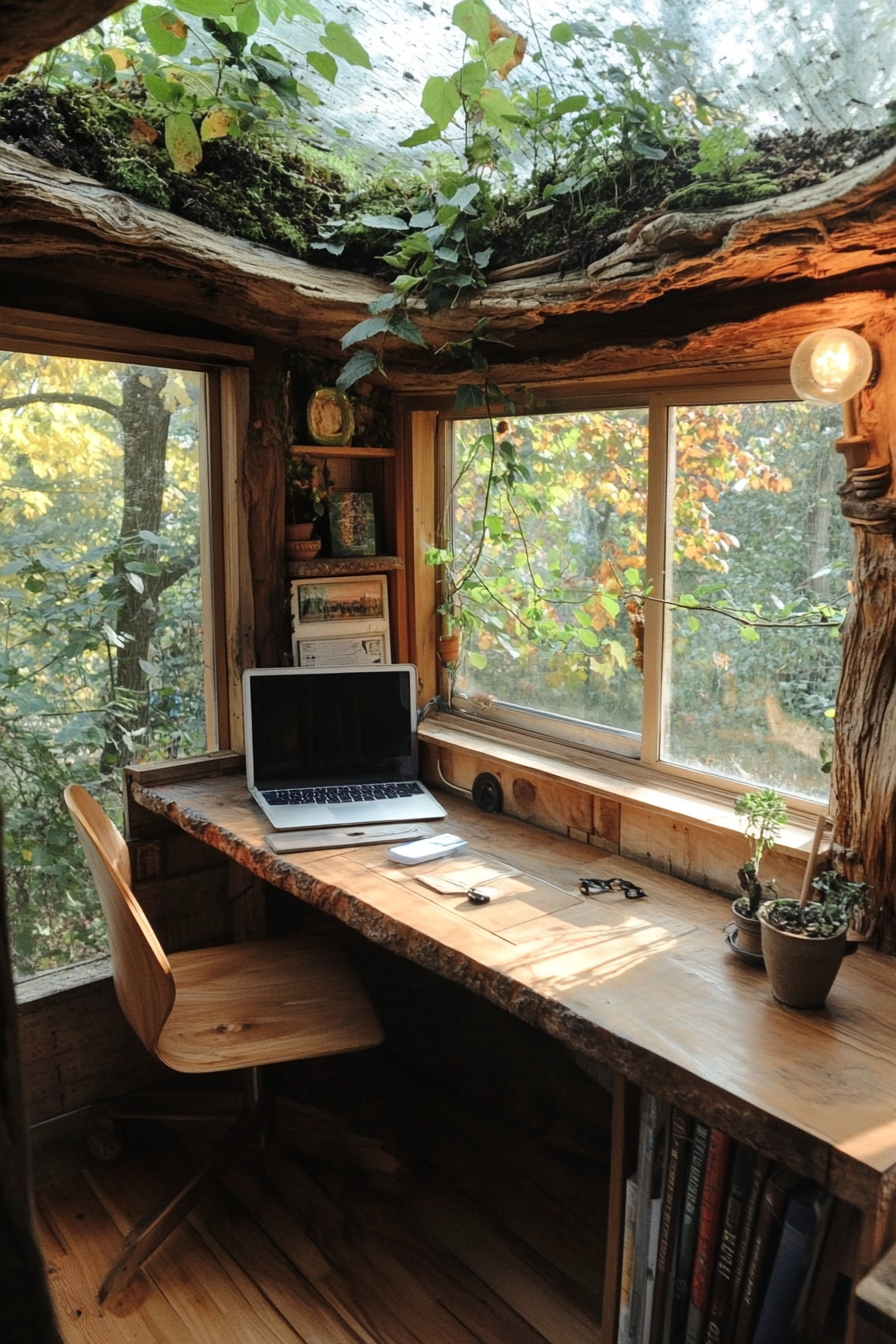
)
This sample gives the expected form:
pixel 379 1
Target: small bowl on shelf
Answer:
pixel 303 550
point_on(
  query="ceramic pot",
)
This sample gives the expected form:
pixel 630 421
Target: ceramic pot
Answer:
pixel 801 970
pixel 749 932
pixel 299 543
pixel 449 648
pixel 299 531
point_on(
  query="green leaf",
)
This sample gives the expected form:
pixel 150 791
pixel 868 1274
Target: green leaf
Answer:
pixel 206 9
pixel 165 90
pixel 562 33
pixel 470 79
pixel 440 100
pixel 407 330
pixel 338 38
pixel 648 151
pixel 467 397
pixel 182 141
pixel 478 660
pixel 496 106
pixel 750 634
pixel 424 219
pixel 148 669
pixel 383 303
pixel 472 18
pixel 106 67
pixel 422 137
pixel 463 196
pixel 361 363
pixel 402 283
pixel 246 14
pixel 323 63
pixel 610 604
pixel 693 624
pixel 167 32
pixel 500 52
pixel 588 638
pixel 371 326
pixel 574 103
pixel 384 222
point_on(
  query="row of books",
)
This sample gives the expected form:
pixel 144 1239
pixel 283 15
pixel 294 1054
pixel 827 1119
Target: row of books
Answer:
pixel 722 1246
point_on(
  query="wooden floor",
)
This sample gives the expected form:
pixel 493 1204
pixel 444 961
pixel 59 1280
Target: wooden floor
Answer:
pixel 489 1234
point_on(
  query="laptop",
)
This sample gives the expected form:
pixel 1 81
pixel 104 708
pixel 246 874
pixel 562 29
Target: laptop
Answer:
pixel 334 746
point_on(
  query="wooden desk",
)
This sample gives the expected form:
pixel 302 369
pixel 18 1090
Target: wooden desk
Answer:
pixel 647 988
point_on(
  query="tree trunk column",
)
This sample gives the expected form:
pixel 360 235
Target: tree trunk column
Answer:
pixel 865 726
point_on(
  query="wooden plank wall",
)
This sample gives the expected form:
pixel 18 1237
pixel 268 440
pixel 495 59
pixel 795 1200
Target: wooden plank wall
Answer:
pixel 699 853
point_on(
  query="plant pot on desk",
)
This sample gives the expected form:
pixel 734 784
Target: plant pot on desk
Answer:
pixel 801 970
pixel 749 930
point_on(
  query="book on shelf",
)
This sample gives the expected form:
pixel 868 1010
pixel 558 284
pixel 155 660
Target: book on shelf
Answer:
pixel 623 1328
pixel 670 1214
pixel 825 1210
pixel 712 1206
pixel 772 1207
pixel 745 1238
pixel 790 1263
pixel 720 1296
pixel 657 1187
pixel 835 1258
pixel 687 1234
pixel 653 1118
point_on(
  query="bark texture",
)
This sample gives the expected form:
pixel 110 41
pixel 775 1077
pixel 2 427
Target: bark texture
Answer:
pixel 865 726
pixel 29 27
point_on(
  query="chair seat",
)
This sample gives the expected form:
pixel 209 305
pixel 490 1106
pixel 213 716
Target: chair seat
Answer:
pixel 250 1004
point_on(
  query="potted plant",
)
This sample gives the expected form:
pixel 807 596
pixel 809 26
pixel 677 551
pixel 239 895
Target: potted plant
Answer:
pixel 307 491
pixel 766 814
pixel 803 942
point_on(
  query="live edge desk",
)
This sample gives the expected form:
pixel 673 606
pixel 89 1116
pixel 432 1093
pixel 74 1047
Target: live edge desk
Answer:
pixel 647 989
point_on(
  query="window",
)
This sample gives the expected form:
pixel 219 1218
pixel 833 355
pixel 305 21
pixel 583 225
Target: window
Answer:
pixel 105 650
pixel 658 580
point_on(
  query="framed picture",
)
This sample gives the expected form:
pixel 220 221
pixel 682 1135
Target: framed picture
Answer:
pixel 330 608
pixel 331 420
pixel 354 651
pixel 352 524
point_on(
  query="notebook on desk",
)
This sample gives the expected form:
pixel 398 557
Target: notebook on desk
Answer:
pixel 334 746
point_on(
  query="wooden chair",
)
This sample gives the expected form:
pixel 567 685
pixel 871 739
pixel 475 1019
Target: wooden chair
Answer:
pixel 233 1007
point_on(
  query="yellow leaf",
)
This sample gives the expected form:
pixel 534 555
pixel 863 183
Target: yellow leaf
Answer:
pixel 177 29
pixel 117 56
pixel 217 123
pixel 498 30
pixel 142 132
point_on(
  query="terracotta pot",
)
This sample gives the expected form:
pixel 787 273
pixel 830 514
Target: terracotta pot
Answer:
pixel 299 543
pixel 299 531
pixel 449 648
pixel 749 932
pixel 801 970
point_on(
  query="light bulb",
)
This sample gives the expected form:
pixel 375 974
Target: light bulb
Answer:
pixel 831 366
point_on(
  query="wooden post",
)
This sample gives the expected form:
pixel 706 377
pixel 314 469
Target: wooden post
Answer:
pixel 864 847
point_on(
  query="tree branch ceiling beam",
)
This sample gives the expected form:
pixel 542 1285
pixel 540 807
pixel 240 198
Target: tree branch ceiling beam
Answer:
pixel 29 27
pixel 672 276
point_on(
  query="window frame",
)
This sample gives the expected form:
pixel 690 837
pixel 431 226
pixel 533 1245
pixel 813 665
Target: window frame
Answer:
pixel 658 395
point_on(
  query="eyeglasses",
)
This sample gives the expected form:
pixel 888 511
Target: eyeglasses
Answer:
pixel 592 886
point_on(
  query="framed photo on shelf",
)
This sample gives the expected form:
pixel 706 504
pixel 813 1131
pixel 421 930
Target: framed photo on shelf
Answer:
pixel 352 523
pixel 351 651
pixel 357 604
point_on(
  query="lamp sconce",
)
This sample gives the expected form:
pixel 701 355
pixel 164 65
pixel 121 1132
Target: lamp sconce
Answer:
pixel 830 368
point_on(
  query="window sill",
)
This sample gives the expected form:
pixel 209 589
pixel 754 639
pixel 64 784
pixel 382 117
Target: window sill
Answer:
pixel 620 808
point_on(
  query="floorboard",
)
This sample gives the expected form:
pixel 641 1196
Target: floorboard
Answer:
pixel 481 1233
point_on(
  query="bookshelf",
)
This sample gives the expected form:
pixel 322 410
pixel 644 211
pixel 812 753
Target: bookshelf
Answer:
pixel 374 470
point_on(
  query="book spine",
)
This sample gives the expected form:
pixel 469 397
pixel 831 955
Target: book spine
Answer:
pixel 823 1211
pixel 788 1268
pixel 771 1211
pixel 687 1239
pixel 670 1213
pixel 623 1334
pixel 646 1150
pixel 745 1241
pixel 719 1298
pixel 711 1210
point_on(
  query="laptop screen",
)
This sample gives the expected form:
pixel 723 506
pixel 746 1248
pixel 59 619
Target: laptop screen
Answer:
pixel 330 726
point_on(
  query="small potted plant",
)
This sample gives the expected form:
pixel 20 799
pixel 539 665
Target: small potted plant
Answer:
pixel 804 942
pixel 307 491
pixel 766 814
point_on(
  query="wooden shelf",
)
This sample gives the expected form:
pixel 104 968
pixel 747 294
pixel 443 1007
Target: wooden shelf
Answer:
pixel 325 567
pixel 340 450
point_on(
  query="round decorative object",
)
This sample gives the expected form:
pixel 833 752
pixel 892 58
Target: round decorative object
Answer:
pixel 331 420
pixel 831 366
pixel 487 793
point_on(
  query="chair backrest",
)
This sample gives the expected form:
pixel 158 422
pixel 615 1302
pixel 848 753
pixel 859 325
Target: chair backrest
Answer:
pixel 140 970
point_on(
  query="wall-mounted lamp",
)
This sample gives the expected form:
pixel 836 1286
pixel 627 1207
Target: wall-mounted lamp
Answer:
pixel 831 367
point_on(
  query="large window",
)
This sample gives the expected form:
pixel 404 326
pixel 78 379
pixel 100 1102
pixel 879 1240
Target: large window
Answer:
pixel 659 580
pixel 104 647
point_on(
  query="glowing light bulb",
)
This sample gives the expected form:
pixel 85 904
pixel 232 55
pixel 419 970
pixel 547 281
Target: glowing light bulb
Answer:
pixel 829 367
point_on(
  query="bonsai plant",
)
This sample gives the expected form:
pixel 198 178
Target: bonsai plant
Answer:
pixel 803 942
pixel 766 814
pixel 307 491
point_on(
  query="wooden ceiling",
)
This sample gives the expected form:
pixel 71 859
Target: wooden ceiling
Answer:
pixel 71 245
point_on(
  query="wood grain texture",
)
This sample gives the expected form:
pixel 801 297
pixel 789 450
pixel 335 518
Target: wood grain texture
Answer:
pixel 29 27
pixel 645 989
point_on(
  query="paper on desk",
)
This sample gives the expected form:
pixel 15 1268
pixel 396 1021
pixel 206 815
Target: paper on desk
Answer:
pixel 450 877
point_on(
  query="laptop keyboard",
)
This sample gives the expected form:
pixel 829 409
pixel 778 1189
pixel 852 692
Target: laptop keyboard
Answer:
pixel 341 793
